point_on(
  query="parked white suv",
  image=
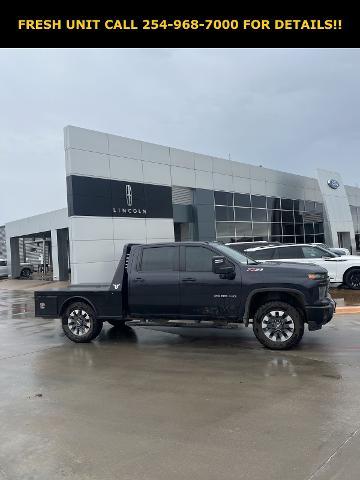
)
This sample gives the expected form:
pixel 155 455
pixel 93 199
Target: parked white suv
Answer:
pixel 25 272
pixel 344 269
pixel 339 251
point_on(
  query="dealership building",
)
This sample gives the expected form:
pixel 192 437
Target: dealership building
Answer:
pixel 121 190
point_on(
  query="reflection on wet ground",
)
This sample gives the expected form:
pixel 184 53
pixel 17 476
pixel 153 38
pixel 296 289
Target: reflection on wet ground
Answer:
pixel 144 404
pixel 345 297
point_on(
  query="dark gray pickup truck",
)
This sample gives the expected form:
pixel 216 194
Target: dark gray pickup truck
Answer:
pixel 203 282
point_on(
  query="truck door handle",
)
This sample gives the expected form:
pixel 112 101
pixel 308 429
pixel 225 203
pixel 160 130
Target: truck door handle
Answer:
pixel 139 279
pixel 189 279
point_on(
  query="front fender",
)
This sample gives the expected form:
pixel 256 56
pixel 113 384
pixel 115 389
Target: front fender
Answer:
pixel 299 295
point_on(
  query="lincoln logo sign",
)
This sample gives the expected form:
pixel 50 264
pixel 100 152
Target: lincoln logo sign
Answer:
pixel 334 184
pixel 129 195
pixel 130 210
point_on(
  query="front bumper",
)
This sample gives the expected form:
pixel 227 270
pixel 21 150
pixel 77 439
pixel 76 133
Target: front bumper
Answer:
pixel 319 315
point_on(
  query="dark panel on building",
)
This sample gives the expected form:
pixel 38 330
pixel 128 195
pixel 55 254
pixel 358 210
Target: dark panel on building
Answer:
pixel 183 213
pixel 204 213
pixel 63 253
pixel 101 197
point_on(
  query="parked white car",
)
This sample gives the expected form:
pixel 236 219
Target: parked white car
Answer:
pixel 344 269
pixel 25 272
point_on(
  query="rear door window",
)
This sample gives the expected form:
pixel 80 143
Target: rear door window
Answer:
pixel 158 259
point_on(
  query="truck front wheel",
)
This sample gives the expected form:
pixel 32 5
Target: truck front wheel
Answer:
pixel 278 325
pixel 80 324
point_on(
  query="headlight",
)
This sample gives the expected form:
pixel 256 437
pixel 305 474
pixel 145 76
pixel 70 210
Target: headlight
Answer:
pixel 317 276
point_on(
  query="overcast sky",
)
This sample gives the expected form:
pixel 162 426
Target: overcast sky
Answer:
pixel 292 110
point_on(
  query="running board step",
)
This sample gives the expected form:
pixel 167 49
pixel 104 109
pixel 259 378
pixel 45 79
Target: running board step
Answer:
pixel 182 323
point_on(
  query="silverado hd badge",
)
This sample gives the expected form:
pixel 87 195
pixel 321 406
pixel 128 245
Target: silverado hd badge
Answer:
pixel 254 269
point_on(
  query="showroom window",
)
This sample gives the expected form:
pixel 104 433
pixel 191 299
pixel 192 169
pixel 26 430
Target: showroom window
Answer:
pixel 257 217
pixel 242 200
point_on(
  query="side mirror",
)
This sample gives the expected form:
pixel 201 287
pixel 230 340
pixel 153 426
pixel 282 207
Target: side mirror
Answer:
pixel 220 265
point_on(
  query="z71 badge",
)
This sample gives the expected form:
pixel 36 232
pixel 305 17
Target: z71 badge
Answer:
pixel 254 269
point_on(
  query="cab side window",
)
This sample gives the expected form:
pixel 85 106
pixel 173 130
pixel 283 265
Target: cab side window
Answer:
pixel 158 259
pixel 198 259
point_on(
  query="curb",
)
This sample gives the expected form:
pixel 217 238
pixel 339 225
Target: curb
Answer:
pixel 347 310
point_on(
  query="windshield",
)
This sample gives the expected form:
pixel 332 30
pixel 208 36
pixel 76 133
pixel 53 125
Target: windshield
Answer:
pixel 235 255
pixel 328 253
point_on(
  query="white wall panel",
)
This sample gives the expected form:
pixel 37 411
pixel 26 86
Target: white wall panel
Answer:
pixel 241 185
pixel 128 228
pixel 160 240
pixel 183 177
pixel 240 169
pixel 155 153
pixel 204 180
pixel 220 165
pixel 258 187
pixel 181 158
pixel 203 162
pixel 97 272
pixel 87 251
pixel 123 168
pixel 81 162
pixel 159 228
pixel 223 182
pixel 124 147
pixel 84 139
pixel 156 173
pixel 91 228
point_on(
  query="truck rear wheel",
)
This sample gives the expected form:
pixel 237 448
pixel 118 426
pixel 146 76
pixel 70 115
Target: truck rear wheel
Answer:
pixel 278 325
pixel 80 324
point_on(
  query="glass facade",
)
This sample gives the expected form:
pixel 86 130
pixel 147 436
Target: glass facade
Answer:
pixel 355 213
pixel 244 217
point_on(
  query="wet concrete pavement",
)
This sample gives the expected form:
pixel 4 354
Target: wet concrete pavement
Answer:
pixel 141 404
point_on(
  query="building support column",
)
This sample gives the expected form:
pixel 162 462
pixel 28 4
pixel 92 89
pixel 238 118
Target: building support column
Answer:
pixel 54 254
pixel 14 266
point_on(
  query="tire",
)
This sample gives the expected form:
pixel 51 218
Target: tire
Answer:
pixel 352 279
pixel 117 323
pixel 25 273
pixel 80 324
pixel 287 326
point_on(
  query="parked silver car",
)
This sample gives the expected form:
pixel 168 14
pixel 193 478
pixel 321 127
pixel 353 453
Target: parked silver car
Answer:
pixel 26 269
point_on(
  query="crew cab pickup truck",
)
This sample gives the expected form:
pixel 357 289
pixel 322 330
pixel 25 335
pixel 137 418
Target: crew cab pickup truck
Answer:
pixel 205 282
